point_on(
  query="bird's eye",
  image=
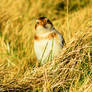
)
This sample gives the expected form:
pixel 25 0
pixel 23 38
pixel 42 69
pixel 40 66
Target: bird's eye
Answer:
pixel 47 20
pixel 37 22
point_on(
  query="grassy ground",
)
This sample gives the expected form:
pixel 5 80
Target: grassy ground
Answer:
pixel 70 71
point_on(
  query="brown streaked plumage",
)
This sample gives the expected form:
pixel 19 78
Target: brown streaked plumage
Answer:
pixel 42 21
pixel 48 42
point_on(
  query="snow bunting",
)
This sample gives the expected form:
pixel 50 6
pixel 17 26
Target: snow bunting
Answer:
pixel 48 42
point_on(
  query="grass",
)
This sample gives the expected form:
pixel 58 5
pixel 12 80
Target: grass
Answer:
pixel 70 71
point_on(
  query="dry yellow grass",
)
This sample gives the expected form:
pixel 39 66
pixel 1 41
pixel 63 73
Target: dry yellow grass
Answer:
pixel 71 71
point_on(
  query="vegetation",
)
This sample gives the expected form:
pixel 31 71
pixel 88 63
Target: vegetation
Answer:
pixel 70 71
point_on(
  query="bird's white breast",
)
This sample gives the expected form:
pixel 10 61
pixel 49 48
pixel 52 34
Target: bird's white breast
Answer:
pixel 45 48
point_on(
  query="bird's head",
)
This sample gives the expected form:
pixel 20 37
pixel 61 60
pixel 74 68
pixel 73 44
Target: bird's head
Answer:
pixel 43 23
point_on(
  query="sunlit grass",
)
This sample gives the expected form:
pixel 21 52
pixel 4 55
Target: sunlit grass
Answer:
pixel 71 70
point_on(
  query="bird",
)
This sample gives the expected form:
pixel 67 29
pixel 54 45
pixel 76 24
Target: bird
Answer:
pixel 48 42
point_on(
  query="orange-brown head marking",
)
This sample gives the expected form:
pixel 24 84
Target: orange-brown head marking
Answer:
pixel 43 21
